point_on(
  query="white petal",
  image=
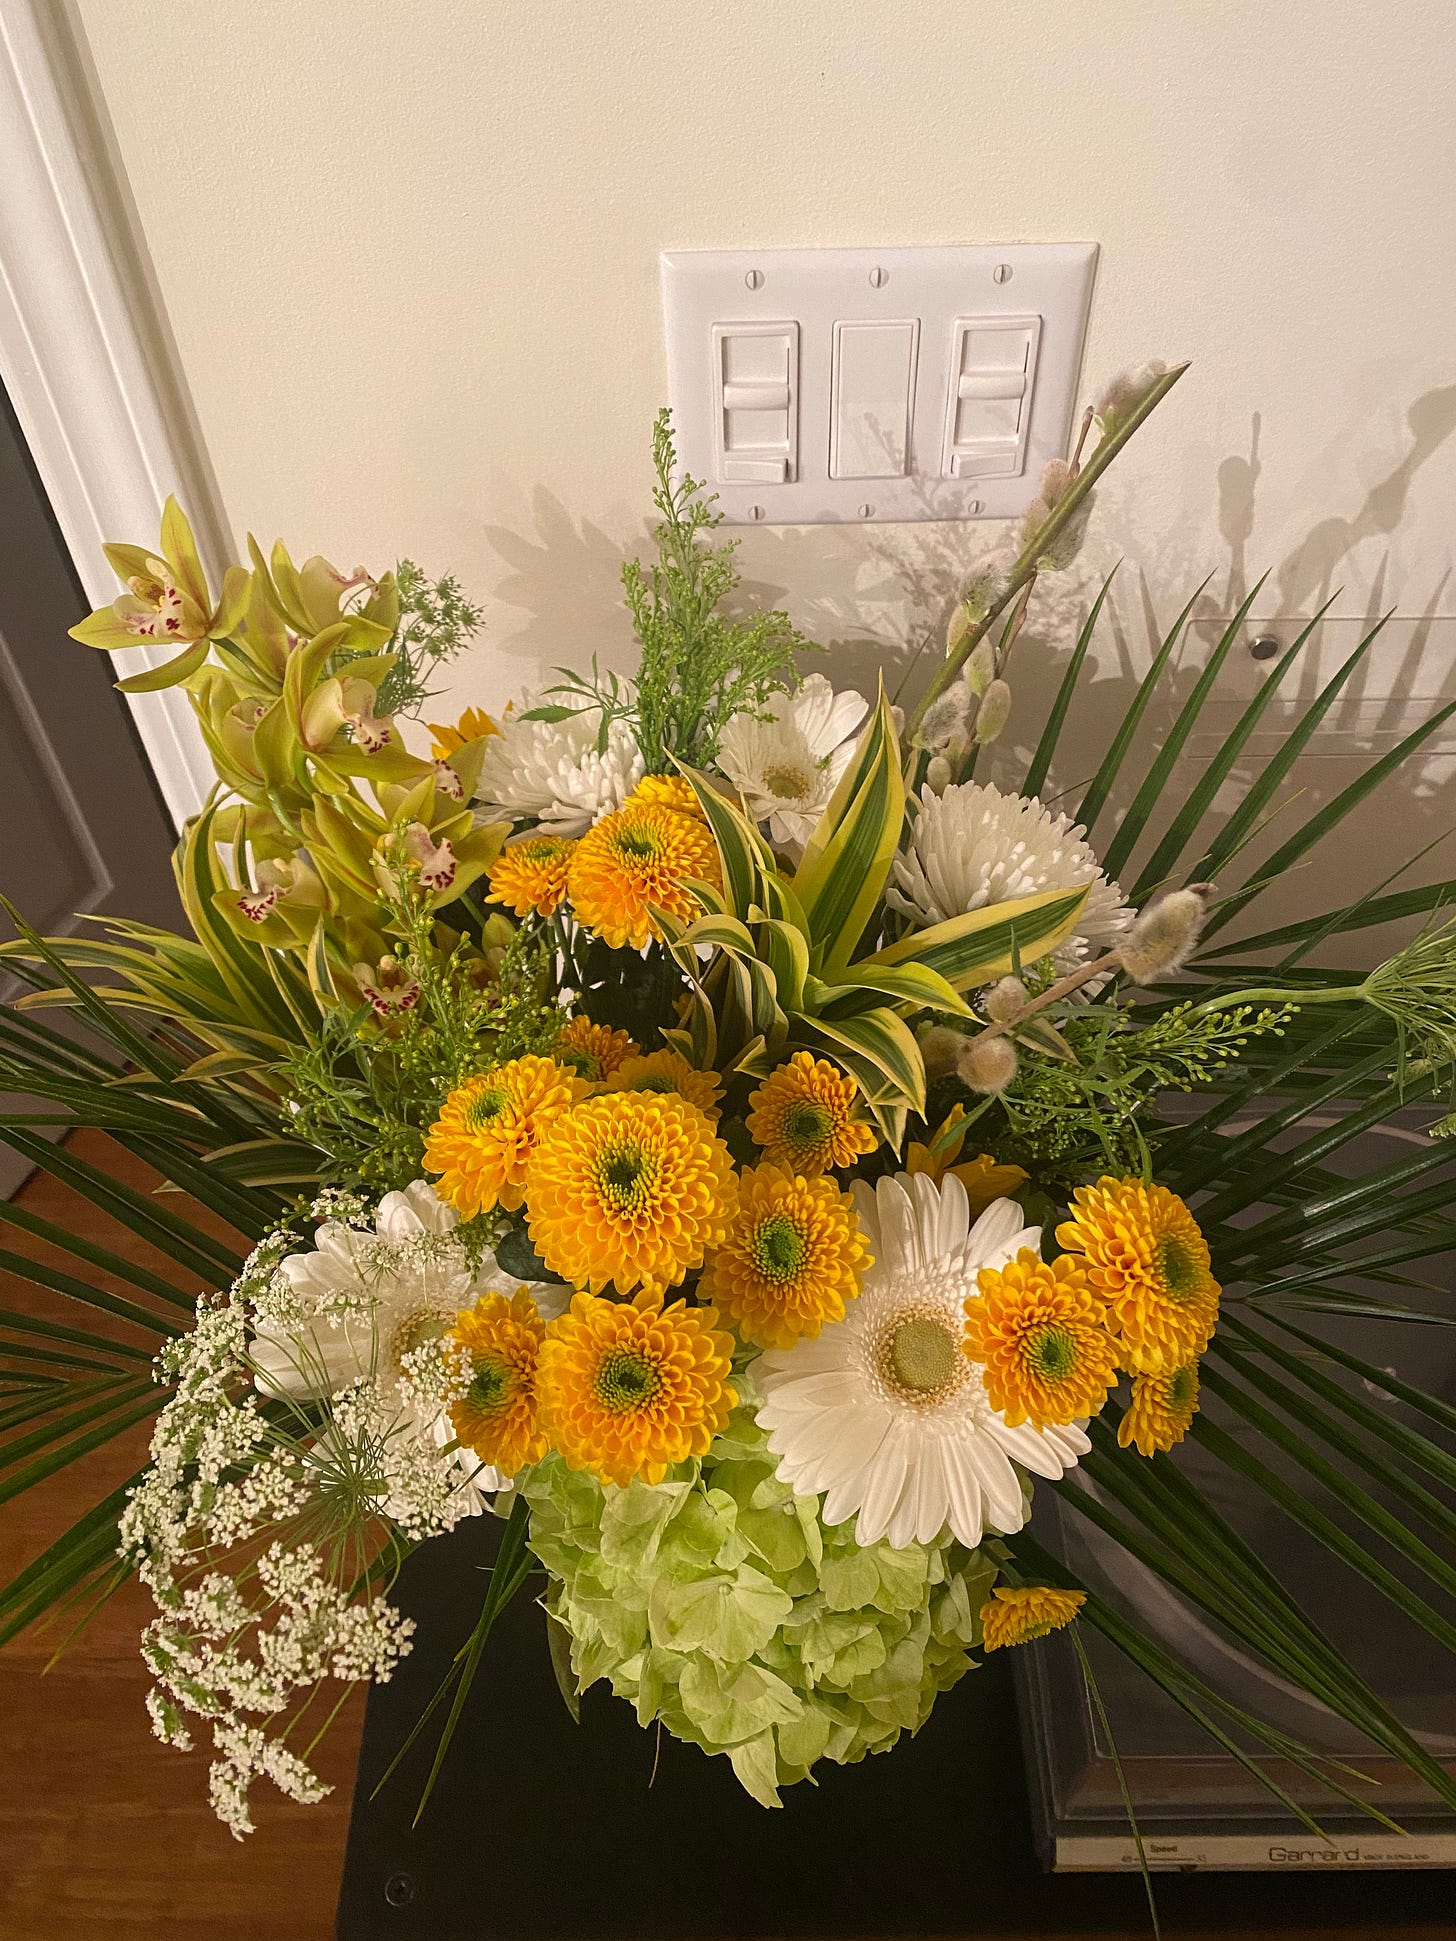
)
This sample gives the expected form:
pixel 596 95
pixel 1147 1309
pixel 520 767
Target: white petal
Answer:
pixel 964 1493
pixel 1003 1508
pixel 883 1489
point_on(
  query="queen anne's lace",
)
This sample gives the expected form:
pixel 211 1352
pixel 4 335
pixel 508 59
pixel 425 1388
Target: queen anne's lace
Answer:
pixel 310 1404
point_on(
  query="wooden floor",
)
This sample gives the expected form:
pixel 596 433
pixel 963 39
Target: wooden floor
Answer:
pixel 106 1835
pixel 104 1832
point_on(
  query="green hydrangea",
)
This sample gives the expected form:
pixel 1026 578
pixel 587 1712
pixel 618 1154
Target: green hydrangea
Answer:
pixel 721 1603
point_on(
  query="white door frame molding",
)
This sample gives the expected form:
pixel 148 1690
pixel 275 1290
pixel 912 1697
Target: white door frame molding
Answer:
pixel 85 352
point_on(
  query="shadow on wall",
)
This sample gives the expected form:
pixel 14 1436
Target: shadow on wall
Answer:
pixel 878 600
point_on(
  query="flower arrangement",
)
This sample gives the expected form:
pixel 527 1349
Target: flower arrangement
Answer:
pixel 704 1120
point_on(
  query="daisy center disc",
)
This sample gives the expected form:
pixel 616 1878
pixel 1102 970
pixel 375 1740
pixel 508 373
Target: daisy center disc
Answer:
pixel 413 1331
pixel 626 1380
pixel 778 1248
pixel 787 782
pixel 922 1356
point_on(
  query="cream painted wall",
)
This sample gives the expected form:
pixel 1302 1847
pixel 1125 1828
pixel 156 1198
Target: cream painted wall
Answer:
pixel 409 252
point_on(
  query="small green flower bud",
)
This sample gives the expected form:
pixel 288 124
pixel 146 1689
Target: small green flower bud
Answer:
pixel 938 775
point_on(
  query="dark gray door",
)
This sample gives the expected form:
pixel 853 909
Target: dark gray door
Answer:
pixel 82 827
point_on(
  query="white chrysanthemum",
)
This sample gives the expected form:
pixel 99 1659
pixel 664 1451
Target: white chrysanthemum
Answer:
pixel 972 845
pixel 362 1305
pixel 554 772
pixel 787 766
pixel 881 1411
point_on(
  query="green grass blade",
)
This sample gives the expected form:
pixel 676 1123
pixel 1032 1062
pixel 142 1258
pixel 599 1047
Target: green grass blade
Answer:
pixel 1095 800
pixel 187 1245
pixel 1242 823
pixel 1329 817
pixel 88 1546
pixel 1051 734
pixel 1155 783
pixel 49 1450
pixel 1184 825
pixel 113 1264
pixel 1355 916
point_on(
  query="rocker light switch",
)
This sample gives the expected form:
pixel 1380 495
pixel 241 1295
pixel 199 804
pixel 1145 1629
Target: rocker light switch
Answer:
pixel 880 384
pixel 988 399
pixel 872 399
pixel 756 382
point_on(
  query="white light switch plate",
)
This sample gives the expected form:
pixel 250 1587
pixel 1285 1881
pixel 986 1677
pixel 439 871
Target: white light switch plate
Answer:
pixel 906 384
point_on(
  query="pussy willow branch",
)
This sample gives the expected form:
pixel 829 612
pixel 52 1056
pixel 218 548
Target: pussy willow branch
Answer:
pixel 1025 566
pixel 1054 993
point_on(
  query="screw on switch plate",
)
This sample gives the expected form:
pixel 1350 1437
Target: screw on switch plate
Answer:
pixel 1264 646
pixel 754 279
pixel 879 277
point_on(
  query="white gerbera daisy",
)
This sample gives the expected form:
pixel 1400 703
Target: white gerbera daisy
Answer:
pixel 972 845
pixel 787 766
pixel 555 772
pixel 882 1412
pixel 359 1304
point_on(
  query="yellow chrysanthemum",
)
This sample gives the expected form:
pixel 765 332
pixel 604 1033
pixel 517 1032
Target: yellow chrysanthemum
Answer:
pixel 1039 1331
pixel 667 1071
pixel 497 1415
pixel 531 875
pixel 984 1178
pixel 803 1117
pixel 1017 1613
pixel 1161 1410
pixel 627 1388
pixel 471 726
pixel 594 1051
pixel 1148 1260
pixel 635 861
pixel 486 1130
pixel 670 792
pixel 794 1255
pixel 629 1187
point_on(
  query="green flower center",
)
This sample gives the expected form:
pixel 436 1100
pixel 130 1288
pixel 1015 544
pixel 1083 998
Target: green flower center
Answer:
pixel 922 1354
pixel 586 1064
pixel 1183 1387
pixel 654 1082
pixel 1051 1353
pixel 788 783
pixel 1178 1267
pixel 639 845
pixel 626 1380
pixel 807 1123
pixel 488 1387
pixel 625 1175
pixel 486 1106
pixel 777 1248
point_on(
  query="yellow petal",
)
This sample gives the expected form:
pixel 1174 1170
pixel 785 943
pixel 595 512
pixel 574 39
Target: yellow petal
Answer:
pixel 179 549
